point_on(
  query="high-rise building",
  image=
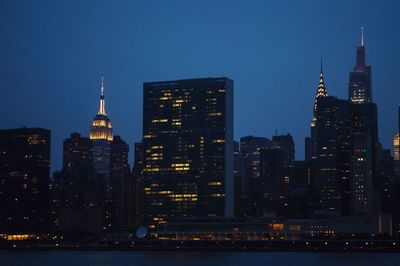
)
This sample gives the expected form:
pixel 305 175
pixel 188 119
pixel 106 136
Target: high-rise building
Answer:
pixel 137 175
pixel 320 93
pixel 365 137
pixel 77 153
pixel 326 181
pixel 396 149
pixel 328 149
pixel 250 147
pixel 272 186
pixel 286 143
pixel 77 193
pixel 360 90
pixel 308 148
pixel 299 195
pixel 101 135
pixel 76 172
pixel 250 156
pixel 24 179
pixel 121 187
pixel 236 178
pixel 187 144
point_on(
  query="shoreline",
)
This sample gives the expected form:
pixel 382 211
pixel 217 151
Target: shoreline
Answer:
pixel 345 246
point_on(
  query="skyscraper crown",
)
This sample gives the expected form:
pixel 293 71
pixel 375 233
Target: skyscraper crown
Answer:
pixel 321 90
pixel 361 60
pixel 101 128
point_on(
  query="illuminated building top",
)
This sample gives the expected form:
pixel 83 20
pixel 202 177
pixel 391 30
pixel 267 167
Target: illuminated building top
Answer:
pixel 101 128
pixel 321 90
pixel 360 88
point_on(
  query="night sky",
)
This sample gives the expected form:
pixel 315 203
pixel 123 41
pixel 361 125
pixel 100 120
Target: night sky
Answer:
pixel 53 53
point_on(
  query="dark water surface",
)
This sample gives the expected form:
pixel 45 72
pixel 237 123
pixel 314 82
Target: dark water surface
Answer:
pixel 100 258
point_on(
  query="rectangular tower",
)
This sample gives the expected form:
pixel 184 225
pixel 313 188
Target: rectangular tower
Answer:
pixel 24 179
pixel 188 149
pixel 250 147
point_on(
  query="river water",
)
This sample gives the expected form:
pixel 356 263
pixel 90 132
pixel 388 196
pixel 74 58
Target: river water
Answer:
pixel 163 258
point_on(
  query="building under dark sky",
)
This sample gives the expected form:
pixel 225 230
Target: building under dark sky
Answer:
pixel 24 180
pixel 188 149
pixel 360 83
pixel 101 136
pixel 57 50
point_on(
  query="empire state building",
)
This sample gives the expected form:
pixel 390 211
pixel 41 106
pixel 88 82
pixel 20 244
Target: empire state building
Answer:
pixel 101 136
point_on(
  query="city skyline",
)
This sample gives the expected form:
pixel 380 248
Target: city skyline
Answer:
pixel 224 126
pixel 267 86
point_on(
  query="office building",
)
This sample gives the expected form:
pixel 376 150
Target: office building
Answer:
pixel 188 149
pixel 24 180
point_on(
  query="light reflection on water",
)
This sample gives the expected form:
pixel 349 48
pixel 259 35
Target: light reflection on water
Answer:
pixel 135 258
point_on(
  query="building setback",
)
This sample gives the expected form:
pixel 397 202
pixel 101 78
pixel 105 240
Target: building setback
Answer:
pixel 366 146
pixel 188 149
pixel 24 179
pixel 101 136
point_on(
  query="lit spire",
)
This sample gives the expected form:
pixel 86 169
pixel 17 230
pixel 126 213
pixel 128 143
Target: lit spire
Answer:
pixel 102 110
pixel 321 68
pixel 321 90
pixel 102 86
pixel 362 36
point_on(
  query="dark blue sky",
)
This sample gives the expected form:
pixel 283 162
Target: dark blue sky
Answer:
pixel 52 55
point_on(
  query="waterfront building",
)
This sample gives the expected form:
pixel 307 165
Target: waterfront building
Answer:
pixel 24 180
pixel 188 149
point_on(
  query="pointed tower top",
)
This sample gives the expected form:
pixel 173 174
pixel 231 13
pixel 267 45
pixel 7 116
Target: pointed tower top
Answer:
pixel 102 110
pixel 321 90
pixel 102 86
pixel 362 36
pixel 322 71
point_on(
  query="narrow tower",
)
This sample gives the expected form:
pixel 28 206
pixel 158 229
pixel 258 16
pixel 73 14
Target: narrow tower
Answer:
pixel 320 93
pixel 101 135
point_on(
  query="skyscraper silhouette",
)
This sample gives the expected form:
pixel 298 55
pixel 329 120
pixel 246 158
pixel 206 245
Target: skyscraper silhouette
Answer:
pixel 24 180
pixel 188 149
pixel 360 90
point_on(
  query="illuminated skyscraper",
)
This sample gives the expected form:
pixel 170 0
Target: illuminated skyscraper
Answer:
pixel 320 93
pixel 329 148
pixel 360 90
pixel 365 139
pixel 188 149
pixel 101 135
pixel 24 179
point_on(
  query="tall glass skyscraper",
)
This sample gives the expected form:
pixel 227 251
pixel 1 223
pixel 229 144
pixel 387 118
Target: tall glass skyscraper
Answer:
pixel 188 149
